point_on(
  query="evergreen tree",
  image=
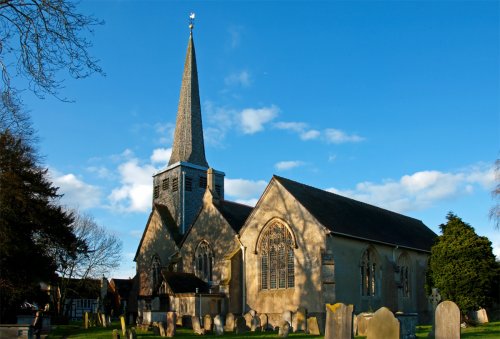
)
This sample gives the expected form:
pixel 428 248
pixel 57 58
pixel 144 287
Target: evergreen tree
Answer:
pixel 462 265
pixel 31 224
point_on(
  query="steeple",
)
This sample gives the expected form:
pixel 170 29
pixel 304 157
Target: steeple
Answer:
pixel 188 138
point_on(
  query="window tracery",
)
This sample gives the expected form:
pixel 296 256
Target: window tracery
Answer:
pixel 204 261
pixel 155 274
pixel 368 272
pixel 276 258
pixel 404 274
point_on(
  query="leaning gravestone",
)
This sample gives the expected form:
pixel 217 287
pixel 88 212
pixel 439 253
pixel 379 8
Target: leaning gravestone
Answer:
pixel 122 322
pixel 218 327
pixel 241 325
pixel 447 320
pixel 299 320
pixel 338 321
pixel 229 327
pixel 383 325
pixel 171 324
pixel 162 329
pixel 207 323
pixel 131 333
pixel 313 326
pixel 196 325
pixel 264 322
pixel 287 316
pixel 480 316
pixel 284 329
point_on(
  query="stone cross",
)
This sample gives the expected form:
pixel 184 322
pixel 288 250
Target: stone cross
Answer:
pixel 434 299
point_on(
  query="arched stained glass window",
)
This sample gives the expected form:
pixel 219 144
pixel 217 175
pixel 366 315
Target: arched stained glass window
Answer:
pixel 204 261
pixel 368 272
pixel 276 258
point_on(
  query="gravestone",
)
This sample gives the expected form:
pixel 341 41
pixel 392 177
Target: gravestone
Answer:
pixel 131 333
pixel 383 325
pixel 162 329
pixel 362 321
pixel 195 321
pixel 287 316
pixel 284 329
pixel 253 313
pixel 338 321
pixel 207 323
pixel 434 300
pixel 447 320
pixel 299 323
pixel 115 334
pixel 255 324
pixel 480 316
pixel 313 326
pixel 248 319
pixel 218 326
pixel 104 320
pixel 122 322
pixel 156 329
pixel 407 325
pixel 241 325
pixel 171 324
pixel 229 327
pixel 86 320
pixel 264 321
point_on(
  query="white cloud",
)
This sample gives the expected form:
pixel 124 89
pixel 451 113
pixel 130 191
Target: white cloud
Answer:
pixel 421 189
pixel 134 194
pixel 286 165
pixel 336 136
pixel 253 119
pixel 241 78
pixel 310 134
pixel 101 171
pixel 242 189
pixel 161 156
pixel 77 193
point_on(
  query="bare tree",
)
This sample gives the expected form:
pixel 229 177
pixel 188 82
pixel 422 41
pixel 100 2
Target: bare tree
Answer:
pixel 99 253
pixel 495 210
pixel 39 38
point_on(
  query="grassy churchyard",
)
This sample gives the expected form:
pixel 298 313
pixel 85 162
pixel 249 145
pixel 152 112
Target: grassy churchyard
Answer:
pixel 76 331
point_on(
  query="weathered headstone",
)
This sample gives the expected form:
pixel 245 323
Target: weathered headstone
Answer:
pixel 434 300
pixel 241 325
pixel 162 329
pixel 253 313
pixel 218 326
pixel 196 325
pixel 229 327
pixel 338 321
pixel 264 321
pixel 383 325
pixel 122 322
pixel 171 324
pixel 99 319
pixel 255 324
pixel 116 335
pixel 447 320
pixel 104 320
pixel 284 329
pixel 207 323
pixel 86 320
pixel 248 319
pixel 362 321
pixel 299 323
pixel 313 326
pixel 407 325
pixel 287 316
pixel 480 316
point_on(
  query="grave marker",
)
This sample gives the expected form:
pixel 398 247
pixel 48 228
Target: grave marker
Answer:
pixel 447 320
pixel 383 325
pixel 338 321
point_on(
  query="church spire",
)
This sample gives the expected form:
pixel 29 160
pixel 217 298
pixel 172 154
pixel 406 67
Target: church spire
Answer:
pixel 188 138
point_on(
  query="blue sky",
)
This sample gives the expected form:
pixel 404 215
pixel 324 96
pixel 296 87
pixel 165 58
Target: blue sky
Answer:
pixel 395 103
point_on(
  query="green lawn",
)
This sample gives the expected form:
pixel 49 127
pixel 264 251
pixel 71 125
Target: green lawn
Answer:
pixel 75 331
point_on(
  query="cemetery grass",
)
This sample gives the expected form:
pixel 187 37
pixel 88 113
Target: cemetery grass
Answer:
pixel 76 331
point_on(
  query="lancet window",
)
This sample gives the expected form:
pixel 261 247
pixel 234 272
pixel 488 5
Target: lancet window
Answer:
pixel 368 273
pixel 276 258
pixel 155 274
pixel 404 275
pixel 204 261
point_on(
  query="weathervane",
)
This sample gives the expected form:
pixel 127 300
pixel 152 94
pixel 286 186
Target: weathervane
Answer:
pixel 191 21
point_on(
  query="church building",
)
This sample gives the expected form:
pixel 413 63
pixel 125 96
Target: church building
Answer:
pixel 300 247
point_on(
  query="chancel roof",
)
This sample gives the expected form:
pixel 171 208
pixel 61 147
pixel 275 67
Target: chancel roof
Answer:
pixel 352 218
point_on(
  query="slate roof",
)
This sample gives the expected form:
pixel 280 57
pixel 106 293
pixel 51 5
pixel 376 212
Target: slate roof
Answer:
pixel 352 218
pixel 180 282
pixel 235 214
pixel 123 287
